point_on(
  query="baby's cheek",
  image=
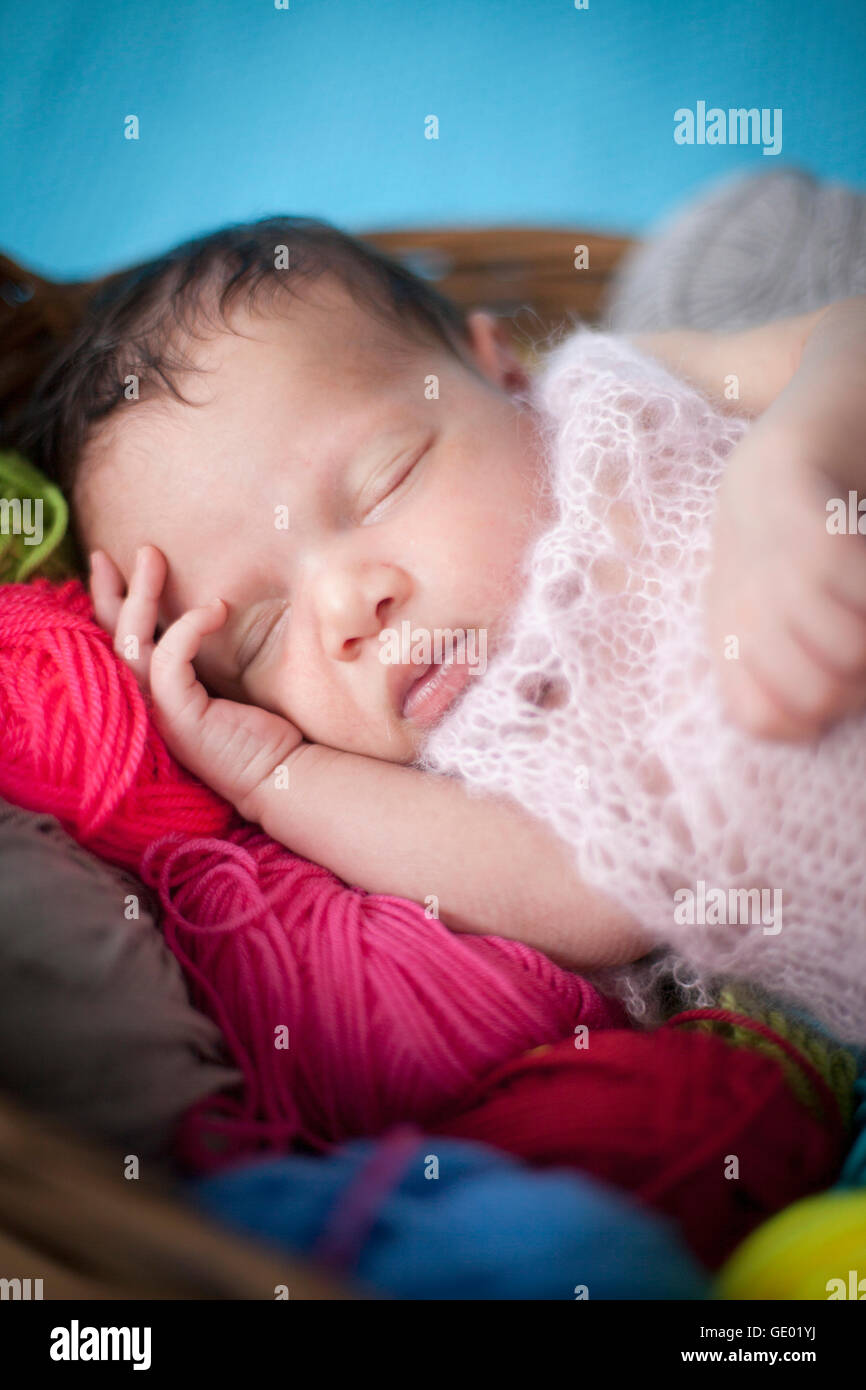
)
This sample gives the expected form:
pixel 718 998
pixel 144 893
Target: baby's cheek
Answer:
pixel 304 702
pixel 474 543
pixel 311 699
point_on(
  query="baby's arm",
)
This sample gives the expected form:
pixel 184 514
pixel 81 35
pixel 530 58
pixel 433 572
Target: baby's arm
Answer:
pixel 490 868
pixel 788 581
pixel 741 372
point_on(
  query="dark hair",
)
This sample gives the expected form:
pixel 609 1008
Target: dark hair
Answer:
pixel 130 322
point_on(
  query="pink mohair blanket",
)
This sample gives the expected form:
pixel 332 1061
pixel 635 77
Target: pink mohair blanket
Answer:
pixel 601 714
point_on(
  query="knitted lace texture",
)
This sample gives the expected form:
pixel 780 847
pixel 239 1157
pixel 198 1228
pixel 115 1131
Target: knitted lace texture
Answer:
pixel 600 713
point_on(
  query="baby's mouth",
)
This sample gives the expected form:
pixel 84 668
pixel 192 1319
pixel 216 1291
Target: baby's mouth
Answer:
pixel 434 691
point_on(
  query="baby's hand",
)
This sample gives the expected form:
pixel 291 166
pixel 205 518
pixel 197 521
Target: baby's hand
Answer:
pixel 230 746
pixel 786 600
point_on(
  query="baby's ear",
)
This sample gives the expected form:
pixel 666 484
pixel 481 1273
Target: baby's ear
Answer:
pixel 494 351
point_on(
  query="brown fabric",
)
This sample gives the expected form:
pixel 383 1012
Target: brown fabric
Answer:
pixel 96 1028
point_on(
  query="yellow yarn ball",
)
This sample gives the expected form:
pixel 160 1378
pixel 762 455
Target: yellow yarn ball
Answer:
pixel 814 1249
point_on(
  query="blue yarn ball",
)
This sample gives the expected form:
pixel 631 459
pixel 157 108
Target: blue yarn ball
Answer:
pixel 488 1227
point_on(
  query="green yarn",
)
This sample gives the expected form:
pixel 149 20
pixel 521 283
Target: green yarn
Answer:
pixel 54 555
pixel 835 1063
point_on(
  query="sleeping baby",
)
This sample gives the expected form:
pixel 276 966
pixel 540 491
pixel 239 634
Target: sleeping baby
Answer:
pixel 576 657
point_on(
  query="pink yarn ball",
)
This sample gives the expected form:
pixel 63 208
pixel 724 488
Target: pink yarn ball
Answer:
pixel 387 1015
pixel 348 1011
pixel 76 737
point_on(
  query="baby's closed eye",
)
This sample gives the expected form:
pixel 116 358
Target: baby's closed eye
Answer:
pixel 270 622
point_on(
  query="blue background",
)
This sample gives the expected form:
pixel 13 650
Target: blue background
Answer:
pixel 547 114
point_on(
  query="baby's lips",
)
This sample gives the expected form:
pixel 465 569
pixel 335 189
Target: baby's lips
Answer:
pixel 402 680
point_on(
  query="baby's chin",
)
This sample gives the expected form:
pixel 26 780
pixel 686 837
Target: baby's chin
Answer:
pixel 390 740
pixel 395 741
pixel 401 743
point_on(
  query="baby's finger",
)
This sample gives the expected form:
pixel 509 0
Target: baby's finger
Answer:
pixel 846 581
pixel 137 619
pixel 752 706
pixel 833 634
pixel 107 590
pixel 837 556
pixel 791 677
pixel 173 682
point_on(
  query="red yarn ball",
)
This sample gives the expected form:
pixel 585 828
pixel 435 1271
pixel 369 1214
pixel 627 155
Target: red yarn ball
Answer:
pixel 344 1011
pixel 663 1115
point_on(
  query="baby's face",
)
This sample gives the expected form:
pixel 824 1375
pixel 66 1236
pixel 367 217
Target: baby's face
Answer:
pixel 329 496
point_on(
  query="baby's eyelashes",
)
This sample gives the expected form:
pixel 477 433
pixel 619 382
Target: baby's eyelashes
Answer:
pixel 260 635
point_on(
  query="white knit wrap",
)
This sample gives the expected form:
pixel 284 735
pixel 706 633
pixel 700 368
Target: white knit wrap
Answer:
pixel 600 712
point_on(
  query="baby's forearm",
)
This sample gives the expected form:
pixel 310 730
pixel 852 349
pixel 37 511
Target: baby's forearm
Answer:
pixel 488 867
pixel 754 365
pixel 825 399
